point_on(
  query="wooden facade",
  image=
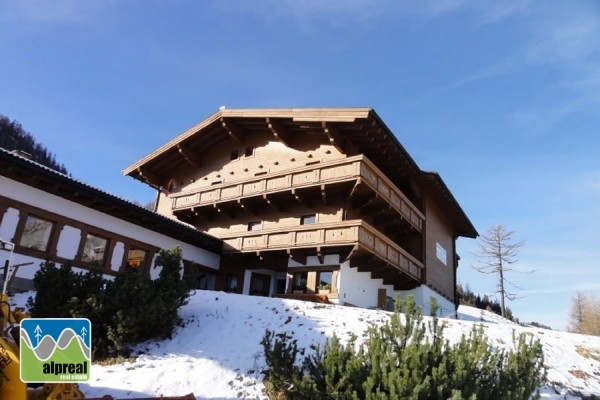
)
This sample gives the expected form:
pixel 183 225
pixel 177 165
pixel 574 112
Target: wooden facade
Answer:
pixel 282 187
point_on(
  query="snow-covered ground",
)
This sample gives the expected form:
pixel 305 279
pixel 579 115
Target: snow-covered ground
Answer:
pixel 217 354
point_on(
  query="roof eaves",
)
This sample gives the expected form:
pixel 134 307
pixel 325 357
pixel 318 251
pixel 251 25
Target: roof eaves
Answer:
pixel 297 114
pixel 469 228
pixel 378 119
pixel 33 167
pixel 174 142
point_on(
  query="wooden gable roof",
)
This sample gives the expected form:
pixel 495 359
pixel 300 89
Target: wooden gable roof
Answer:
pixel 351 130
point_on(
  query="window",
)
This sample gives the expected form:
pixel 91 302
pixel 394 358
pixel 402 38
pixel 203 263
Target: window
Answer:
pixel 232 283
pixel 234 155
pixel 299 282
pixel 440 253
pixel 325 279
pixel 94 249
pixel 202 281
pixel 57 238
pixel 135 258
pixel 249 151
pixel 254 226
pixel 260 284
pixel 36 233
pixel 308 219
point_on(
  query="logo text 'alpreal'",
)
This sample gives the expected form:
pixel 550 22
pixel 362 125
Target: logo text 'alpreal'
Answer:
pixel 55 349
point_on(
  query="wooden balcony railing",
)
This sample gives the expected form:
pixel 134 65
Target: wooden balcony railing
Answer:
pixel 354 232
pixel 348 169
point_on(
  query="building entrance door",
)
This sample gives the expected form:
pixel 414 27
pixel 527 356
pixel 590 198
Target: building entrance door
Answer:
pixel 260 284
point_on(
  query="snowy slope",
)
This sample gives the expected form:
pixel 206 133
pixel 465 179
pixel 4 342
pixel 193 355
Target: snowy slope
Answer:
pixel 217 354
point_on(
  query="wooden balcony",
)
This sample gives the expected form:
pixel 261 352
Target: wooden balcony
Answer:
pixel 357 169
pixel 356 234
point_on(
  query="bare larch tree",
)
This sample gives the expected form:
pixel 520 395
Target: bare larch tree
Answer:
pixel 497 252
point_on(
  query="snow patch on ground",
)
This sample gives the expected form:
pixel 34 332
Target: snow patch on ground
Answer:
pixel 217 353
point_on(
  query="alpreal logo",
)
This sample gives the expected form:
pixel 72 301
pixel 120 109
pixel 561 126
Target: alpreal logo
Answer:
pixel 56 349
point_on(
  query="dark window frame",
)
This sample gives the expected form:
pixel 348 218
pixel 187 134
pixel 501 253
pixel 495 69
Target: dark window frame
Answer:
pixel 23 230
pixel 60 222
pixel 308 219
pixel 297 284
pixel 254 226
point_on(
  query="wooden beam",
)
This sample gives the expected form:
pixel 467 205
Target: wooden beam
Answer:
pixel 320 255
pixel 297 255
pixel 324 193
pixel 334 137
pixel 355 188
pixel 364 201
pixel 360 262
pixel 233 130
pixel 191 158
pixel 272 203
pixel 221 210
pixel 348 253
pixel 279 131
pixel 246 207
pixel 298 198
pixel 150 177
pixel 387 216
pixel 385 272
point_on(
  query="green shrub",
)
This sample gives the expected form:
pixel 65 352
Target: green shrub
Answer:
pixel 128 310
pixel 408 360
pixel 280 353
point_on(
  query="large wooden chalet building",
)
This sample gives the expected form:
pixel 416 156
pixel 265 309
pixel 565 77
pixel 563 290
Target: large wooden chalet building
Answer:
pixel 311 201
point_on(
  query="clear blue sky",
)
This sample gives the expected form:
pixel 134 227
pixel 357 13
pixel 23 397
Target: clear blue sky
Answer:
pixel 501 98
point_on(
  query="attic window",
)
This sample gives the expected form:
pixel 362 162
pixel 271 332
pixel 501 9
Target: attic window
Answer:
pixel 308 219
pixel 249 151
pixel 254 226
pixel 234 155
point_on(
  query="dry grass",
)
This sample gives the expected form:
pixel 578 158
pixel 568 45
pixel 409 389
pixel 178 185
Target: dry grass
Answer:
pixel 577 373
pixel 590 354
pixel 114 360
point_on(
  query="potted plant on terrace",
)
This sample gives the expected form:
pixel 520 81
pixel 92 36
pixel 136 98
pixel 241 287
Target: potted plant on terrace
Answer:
pixel 324 288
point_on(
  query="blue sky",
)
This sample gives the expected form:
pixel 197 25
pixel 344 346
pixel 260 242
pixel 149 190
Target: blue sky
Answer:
pixel 501 98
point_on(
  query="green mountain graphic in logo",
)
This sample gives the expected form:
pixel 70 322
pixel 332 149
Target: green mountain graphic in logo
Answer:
pixel 55 350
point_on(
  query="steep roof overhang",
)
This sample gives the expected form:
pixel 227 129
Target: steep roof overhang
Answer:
pixel 351 130
pixel 433 185
pixel 22 170
pixel 343 127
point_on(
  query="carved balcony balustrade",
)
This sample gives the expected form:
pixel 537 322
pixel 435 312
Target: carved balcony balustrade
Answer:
pixel 354 175
pixel 354 238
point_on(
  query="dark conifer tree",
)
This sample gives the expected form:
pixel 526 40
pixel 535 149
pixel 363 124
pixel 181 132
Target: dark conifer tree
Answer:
pixel 14 137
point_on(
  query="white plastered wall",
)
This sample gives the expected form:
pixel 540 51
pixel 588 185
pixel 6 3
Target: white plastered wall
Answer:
pixel 422 296
pixel 70 236
pixel 358 288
